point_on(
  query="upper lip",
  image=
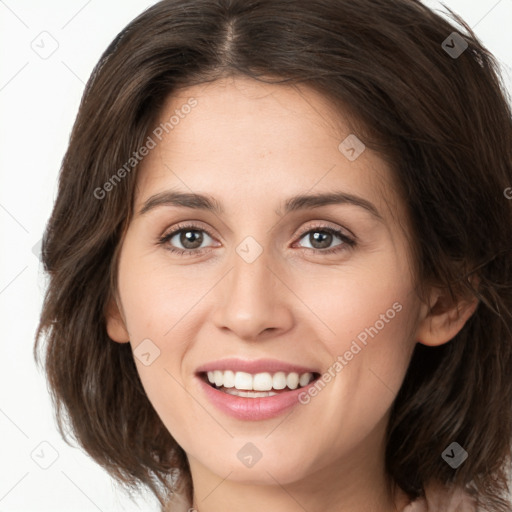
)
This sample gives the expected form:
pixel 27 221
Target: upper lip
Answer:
pixel 254 366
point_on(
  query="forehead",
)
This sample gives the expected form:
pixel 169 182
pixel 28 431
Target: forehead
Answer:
pixel 250 140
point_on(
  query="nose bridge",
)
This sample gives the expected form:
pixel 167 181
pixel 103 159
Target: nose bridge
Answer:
pixel 251 298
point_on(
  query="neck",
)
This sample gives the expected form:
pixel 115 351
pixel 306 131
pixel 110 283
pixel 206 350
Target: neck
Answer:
pixel 318 493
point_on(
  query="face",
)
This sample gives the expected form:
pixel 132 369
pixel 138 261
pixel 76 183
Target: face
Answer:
pixel 321 288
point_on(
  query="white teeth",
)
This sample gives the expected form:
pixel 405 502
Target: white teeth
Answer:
pixel 292 381
pixel 279 380
pixel 242 381
pixel 304 379
pixel 259 382
pixel 262 382
pixel 250 394
pixel 229 379
pixel 219 377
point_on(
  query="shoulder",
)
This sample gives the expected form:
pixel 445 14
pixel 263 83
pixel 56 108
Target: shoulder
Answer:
pixel 443 498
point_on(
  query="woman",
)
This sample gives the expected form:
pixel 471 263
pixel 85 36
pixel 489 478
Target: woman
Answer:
pixel 279 260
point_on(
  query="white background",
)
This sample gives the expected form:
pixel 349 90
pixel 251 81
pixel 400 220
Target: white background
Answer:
pixel 39 100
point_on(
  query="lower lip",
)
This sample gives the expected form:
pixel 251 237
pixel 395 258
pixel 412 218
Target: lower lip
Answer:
pixel 253 409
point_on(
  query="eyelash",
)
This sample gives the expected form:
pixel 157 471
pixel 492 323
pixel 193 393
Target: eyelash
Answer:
pixel 347 243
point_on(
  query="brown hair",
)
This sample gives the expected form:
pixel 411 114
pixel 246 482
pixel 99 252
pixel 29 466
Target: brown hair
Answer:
pixel 444 122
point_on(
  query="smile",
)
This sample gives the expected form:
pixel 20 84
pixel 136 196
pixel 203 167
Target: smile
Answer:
pixel 257 385
pixel 251 404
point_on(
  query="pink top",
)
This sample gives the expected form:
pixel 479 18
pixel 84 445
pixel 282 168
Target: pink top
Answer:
pixel 443 499
pixel 437 499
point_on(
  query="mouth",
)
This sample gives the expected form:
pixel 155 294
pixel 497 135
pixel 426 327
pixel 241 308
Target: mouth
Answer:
pixel 259 385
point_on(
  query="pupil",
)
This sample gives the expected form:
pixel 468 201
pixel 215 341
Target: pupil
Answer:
pixel 186 240
pixel 324 238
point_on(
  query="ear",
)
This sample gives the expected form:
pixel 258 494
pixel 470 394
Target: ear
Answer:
pixel 116 326
pixel 443 318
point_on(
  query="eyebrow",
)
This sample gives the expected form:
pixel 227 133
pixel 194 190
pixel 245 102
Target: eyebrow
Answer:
pixel 298 202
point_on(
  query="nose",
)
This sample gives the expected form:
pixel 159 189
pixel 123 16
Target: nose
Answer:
pixel 252 300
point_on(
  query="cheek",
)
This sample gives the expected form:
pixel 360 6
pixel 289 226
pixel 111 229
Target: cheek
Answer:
pixel 377 316
pixel 373 305
pixel 157 309
pixel 371 319
pixel 155 298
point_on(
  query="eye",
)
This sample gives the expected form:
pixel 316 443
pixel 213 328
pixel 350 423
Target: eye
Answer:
pixel 321 237
pixel 189 236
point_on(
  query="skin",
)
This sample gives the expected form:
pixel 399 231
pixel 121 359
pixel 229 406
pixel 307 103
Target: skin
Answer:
pixel 252 145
